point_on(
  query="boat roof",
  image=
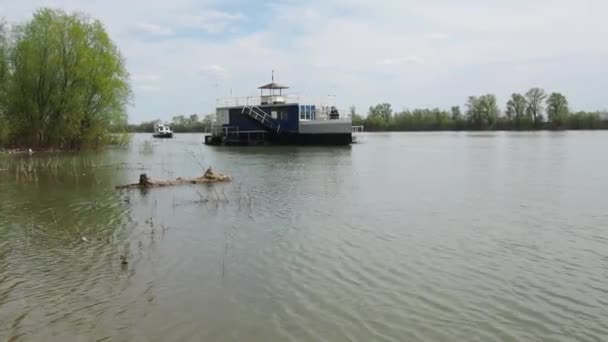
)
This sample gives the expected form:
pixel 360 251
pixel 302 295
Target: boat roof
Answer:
pixel 273 85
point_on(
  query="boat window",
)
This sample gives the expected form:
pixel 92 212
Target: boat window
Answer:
pixel 308 112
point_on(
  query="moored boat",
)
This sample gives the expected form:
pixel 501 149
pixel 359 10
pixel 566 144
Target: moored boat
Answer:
pixel 162 131
pixel 275 118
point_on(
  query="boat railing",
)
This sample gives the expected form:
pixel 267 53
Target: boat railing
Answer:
pixel 322 112
pixel 357 129
pixel 252 100
pixel 288 98
pixel 224 130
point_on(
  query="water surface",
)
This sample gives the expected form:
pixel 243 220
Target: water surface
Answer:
pixel 403 237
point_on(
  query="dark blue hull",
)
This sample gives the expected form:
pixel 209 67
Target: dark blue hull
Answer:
pixel 327 139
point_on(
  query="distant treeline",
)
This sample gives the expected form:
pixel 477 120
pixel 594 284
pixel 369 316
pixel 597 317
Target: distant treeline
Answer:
pixel 179 124
pixel 532 110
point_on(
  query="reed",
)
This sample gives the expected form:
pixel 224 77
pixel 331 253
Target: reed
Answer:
pixel 146 148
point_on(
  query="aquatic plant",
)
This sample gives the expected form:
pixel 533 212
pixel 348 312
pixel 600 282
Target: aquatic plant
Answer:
pixel 147 147
pixel 118 140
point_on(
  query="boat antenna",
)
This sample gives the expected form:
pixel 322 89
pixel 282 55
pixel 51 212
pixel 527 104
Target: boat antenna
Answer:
pixel 272 75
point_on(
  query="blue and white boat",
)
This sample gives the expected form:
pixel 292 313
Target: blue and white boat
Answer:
pixel 277 118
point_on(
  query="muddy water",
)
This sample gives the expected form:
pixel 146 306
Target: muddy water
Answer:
pixel 429 236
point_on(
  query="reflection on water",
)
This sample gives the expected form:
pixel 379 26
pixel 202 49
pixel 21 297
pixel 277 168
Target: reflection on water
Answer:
pixel 429 236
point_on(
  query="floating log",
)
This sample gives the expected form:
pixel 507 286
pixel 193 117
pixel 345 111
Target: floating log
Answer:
pixel 208 177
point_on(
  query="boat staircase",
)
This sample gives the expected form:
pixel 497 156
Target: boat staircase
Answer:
pixel 270 124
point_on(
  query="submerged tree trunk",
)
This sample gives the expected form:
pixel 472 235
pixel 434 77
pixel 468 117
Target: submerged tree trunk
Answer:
pixel 208 177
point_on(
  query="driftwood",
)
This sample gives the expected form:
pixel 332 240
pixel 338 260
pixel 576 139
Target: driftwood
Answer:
pixel 208 177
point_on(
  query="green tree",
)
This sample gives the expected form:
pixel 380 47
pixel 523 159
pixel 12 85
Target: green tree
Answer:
pixel 69 84
pixel 534 105
pixel 458 121
pixel 208 122
pixel 557 109
pixel 482 111
pixel 585 120
pixel 352 111
pixel 3 64
pixel 4 78
pixel 456 113
pixel 382 111
pixel 356 119
pixel 516 109
pixel 193 121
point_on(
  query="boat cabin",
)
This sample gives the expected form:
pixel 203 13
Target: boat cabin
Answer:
pixel 162 131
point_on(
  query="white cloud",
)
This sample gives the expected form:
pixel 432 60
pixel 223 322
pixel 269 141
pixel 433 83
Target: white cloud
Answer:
pixel 210 21
pixel 407 52
pixel 148 88
pixel 400 61
pixel 214 72
pixel 214 68
pixel 153 29
pixel 145 77
pixel 437 36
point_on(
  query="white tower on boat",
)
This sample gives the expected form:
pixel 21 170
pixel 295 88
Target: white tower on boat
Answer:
pixel 271 96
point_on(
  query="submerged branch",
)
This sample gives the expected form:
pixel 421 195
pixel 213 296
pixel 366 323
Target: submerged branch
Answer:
pixel 208 177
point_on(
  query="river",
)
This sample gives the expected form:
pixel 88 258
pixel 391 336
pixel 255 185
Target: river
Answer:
pixel 401 237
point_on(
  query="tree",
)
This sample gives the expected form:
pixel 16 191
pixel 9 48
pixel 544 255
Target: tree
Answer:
pixel 456 113
pixel 458 121
pixel 557 109
pixel 352 111
pixel 193 120
pixel 534 100
pixel 356 119
pixel 516 109
pixel 482 111
pixel 382 111
pixel 69 84
pixel 3 63
pixel 208 121
pixel 4 132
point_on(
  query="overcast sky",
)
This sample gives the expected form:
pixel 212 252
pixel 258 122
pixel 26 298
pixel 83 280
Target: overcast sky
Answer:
pixel 183 54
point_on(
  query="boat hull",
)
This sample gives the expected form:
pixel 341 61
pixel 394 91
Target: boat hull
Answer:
pixel 163 135
pixel 328 139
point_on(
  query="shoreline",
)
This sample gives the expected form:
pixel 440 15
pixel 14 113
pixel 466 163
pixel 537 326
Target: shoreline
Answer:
pixel 30 150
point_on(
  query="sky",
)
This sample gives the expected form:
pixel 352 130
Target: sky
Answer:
pixel 184 54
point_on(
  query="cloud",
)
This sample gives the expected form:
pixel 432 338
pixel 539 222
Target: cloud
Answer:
pixel 400 61
pixel 153 29
pixel 148 88
pixel 437 36
pixel 145 77
pixel 210 21
pixel 214 68
pixel 214 71
pixel 410 53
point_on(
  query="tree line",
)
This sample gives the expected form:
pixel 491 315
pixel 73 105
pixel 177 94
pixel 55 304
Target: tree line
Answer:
pixel 533 110
pixel 63 82
pixel 179 124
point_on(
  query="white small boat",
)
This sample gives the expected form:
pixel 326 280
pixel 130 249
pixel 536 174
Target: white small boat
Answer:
pixel 162 131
